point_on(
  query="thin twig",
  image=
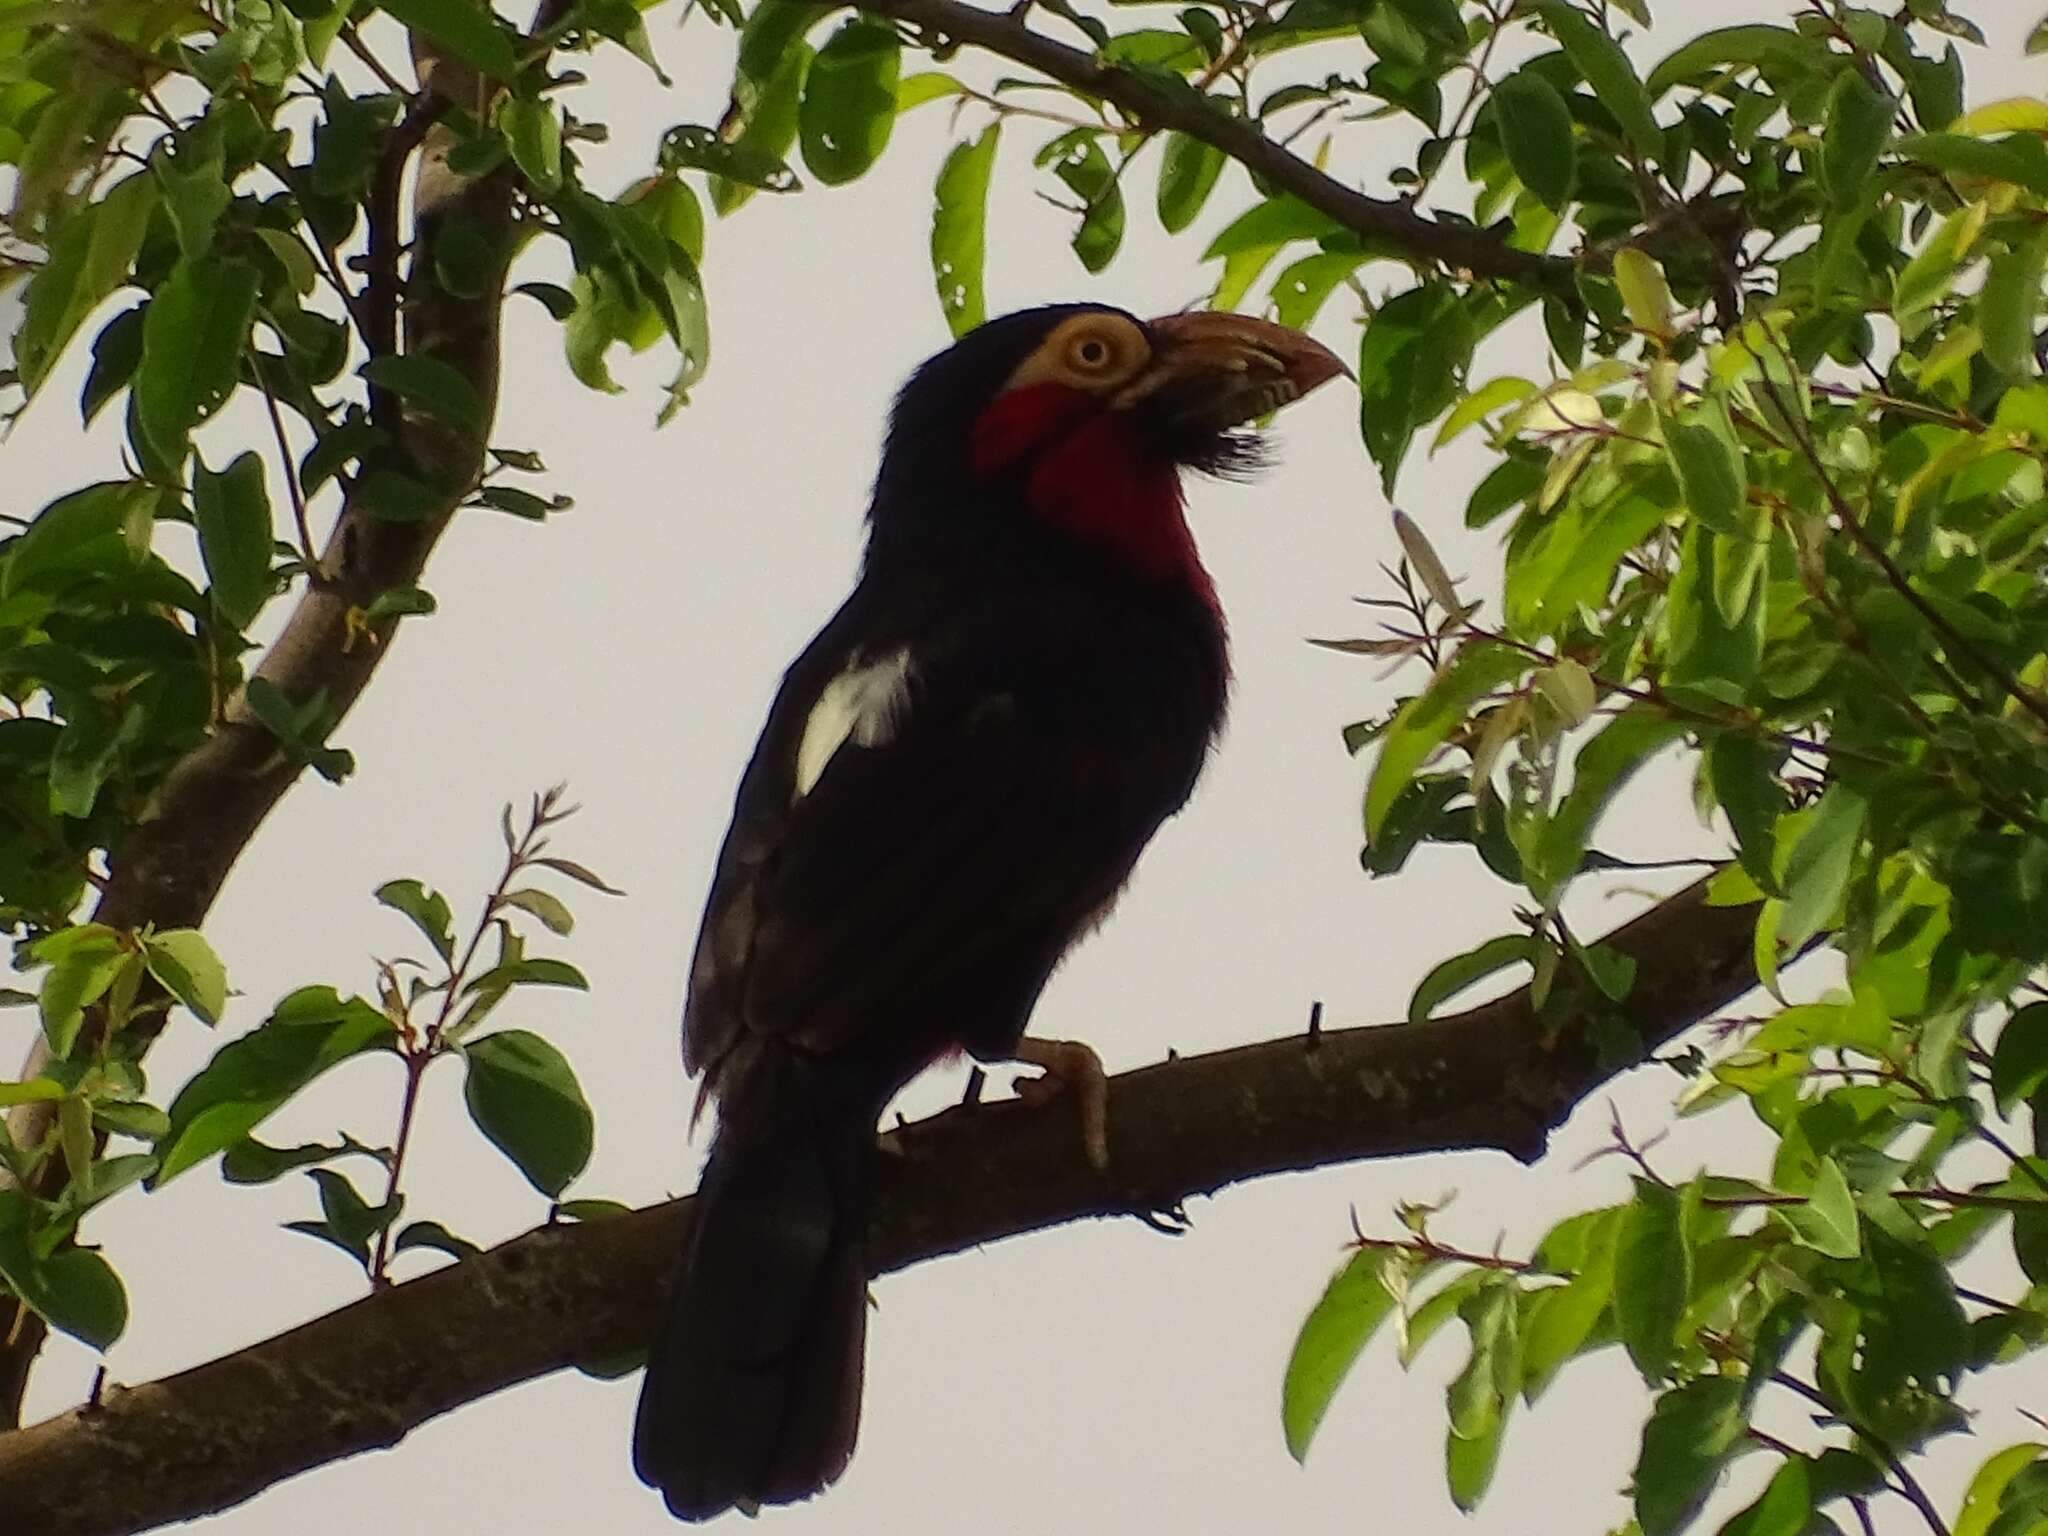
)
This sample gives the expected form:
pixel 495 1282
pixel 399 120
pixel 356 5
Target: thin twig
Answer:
pixel 1909 1487
pixel 309 556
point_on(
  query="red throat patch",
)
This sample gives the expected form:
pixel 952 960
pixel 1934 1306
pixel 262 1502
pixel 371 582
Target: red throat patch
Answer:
pixel 1090 476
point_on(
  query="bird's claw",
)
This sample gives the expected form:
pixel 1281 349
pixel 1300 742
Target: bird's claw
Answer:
pixel 1169 1221
pixel 1069 1064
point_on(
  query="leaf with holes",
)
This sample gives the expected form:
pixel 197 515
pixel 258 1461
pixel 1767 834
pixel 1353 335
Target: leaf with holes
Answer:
pixel 849 101
pixel 960 229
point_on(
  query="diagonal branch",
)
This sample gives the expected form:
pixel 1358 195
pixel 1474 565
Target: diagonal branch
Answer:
pixel 1496 1076
pixel 169 868
pixel 1160 103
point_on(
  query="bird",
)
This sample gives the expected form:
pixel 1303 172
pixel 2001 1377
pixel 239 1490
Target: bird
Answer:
pixel 955 780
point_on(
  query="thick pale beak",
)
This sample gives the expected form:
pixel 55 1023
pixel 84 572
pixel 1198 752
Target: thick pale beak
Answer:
pixel 1217 370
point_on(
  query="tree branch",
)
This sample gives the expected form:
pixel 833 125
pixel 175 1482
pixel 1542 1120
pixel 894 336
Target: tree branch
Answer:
pixel 170 866
pixel 1156 104
pixel 360 1378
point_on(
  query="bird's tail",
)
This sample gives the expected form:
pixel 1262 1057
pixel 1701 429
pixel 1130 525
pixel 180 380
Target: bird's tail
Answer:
pixel 753 1388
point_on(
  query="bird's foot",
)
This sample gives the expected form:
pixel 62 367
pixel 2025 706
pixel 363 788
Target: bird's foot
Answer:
pixel 1070 1065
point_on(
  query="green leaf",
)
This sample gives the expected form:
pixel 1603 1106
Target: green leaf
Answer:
pixel 580 873
pixel 690 147
pixel 1981 1502
pixel 1818 870
pixel 1692 1432
pixel 1332 1337
pixel 931 85
pixel 74 1290
pixel 2019 1062
pixel 1710 469
pixel 232 511
pixel 1482 1395
pixel 353 439
pixel 1300 290
pixel 90 529
pixel 1276 222
pixel 849 101
pixel 79 976
pixel 350 1222
pixel 1188 168
pixel 466 28
pixel 2009 305
pixel 1652 1276
pixel 1469 1463
pixel 534 134
pixel 1827 1222
pixel 1536 131
pixel 960 229
pixel 557 300
pixel 539 973
pixel 431 1234
pixel 552 912
pixel 1601 63
pixel 772 30
pixel 1438 20
pixel 525 1100
pixel 1415 347
pixel 429 911
pixel 2021 160
pixel 116 354
pixel 1644 292
pixel 36 1090
pixel 250 1161
pixel 769 118
pixel 248 1079
pixel 1748 44
pixel 1742 771
pixel 1602 769
pixel 1077 159
pixel 195 193
pixel 193 336
pixel 1454 975
pixel 87 754
pixel 190 971
pixel 1561 1319
pixel 433 386
pixel 1424 722
pixel 1859 126
pixel 89 259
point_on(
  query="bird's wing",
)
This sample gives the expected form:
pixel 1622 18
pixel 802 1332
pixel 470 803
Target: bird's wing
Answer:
pixel 923 886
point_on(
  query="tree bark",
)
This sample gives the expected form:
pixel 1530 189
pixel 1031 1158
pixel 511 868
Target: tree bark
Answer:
pixel 1501 1075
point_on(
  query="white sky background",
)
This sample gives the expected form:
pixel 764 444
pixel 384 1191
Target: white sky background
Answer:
pixel 1092 1379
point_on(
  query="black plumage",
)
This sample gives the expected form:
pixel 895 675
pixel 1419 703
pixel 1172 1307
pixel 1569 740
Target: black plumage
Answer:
pixel 1018 691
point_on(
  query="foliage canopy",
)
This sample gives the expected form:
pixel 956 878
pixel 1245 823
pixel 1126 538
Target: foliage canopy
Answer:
pixel 1771 501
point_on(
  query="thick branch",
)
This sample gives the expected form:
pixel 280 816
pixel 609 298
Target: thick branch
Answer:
pixel 170 866
pixel 1381 221
pixel 360 1378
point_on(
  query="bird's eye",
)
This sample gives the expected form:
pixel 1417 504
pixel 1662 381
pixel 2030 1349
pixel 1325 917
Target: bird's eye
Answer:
pixel 1091 352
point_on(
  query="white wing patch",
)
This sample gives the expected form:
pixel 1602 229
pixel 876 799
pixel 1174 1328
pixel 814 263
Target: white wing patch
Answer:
pixel 863 705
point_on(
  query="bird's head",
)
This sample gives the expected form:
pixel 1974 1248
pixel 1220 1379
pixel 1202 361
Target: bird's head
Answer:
pixel 1082 417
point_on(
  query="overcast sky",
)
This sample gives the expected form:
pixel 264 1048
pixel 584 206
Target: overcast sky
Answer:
pixel 1084 1380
